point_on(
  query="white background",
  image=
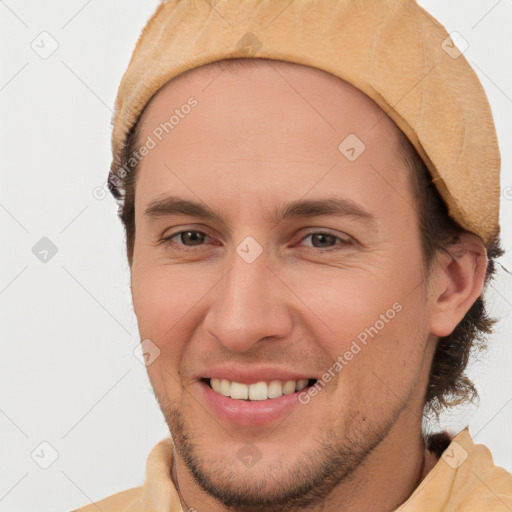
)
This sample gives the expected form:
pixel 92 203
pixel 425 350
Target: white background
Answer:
pixel 68 375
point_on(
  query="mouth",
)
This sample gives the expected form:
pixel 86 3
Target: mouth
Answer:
pixel 258 391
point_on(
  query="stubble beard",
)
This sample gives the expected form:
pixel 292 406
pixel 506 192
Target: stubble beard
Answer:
pixel 299 485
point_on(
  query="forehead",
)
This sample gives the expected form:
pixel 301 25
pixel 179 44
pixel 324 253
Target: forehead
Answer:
pixel 276 125
pixel 231 88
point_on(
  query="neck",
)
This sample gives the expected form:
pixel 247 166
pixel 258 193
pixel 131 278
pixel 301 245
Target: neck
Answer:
pixel 174 478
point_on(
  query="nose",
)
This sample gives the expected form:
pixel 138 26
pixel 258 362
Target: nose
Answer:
pixel 248 305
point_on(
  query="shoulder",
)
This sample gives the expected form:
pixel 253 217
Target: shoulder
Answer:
pixel 479 479
pixel 157 491
pixel 120 502
pixel 464 479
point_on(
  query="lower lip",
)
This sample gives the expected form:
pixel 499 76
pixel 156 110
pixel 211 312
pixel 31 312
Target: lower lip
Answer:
pixel 249 413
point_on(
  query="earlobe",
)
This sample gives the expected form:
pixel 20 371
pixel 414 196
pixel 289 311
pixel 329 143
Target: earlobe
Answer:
pixel 459 282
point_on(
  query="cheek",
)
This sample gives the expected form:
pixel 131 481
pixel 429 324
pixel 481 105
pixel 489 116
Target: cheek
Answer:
pixel 164 300
pixel 170 303
pixel 383 360
pixel 162 296
pixel 371 319
pixel 345 303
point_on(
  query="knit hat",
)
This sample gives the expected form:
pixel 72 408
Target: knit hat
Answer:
pixel 392 50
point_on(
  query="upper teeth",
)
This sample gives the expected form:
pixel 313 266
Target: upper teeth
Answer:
pixel 259 390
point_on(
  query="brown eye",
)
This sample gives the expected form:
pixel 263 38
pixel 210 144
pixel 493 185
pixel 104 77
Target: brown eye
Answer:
pixel 194 237
pixel 323 240
pixel 187 238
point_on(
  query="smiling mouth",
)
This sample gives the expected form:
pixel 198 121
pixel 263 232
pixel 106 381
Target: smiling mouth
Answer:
pixel 259 391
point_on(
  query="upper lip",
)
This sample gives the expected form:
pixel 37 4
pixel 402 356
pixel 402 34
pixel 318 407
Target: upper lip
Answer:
pixel 252 374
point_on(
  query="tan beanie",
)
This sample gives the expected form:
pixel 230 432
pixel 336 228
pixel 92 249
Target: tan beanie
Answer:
pixel 392 50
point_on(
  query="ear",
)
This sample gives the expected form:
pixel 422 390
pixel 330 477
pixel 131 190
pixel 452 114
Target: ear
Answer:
pixel 457 283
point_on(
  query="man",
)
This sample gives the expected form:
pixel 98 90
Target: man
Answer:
pixel 309 231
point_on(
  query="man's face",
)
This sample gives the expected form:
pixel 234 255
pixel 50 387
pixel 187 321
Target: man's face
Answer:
pixel 256 296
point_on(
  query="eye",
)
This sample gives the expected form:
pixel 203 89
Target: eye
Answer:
pixel 325 240
pixel 188 238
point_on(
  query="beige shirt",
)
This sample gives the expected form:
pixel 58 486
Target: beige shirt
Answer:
pixel 464 479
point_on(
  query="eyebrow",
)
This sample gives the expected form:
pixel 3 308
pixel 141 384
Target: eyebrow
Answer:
pixel 302 208
pixel 171 205
pixel 316 207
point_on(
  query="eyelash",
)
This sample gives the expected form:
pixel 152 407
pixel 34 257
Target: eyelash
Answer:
pixel 167 241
